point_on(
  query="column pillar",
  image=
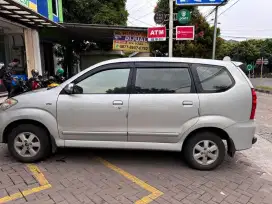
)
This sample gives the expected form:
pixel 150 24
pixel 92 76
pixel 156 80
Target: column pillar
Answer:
pixel 33 53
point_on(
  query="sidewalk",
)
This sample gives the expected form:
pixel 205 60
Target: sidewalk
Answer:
pixel 3 94
pixel 2 99
pixel 261 154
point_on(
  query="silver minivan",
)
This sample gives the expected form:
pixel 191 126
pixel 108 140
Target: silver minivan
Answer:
pixel 172 104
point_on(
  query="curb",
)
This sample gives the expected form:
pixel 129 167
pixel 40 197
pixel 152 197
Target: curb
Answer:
pixel 264 91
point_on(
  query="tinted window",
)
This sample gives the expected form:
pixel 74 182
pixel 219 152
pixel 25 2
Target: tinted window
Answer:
pixel 112 81
pixel 214 79
pixel 162 80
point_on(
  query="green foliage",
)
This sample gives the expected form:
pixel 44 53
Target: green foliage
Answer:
pixel 108 12
pixel 201 47
pixel 246 51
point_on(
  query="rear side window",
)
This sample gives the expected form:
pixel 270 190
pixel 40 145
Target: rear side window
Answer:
pixel 163 81
pixel 213 79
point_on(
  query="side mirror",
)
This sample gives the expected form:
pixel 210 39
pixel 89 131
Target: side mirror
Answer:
pixel 73 89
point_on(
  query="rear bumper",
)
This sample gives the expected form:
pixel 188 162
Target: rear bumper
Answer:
pixel 242 135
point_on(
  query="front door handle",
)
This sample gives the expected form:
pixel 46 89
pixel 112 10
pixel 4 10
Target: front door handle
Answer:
pixel 187 103
pixel 117 103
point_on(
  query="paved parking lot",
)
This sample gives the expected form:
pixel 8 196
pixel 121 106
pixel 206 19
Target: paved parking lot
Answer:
pixel 108 176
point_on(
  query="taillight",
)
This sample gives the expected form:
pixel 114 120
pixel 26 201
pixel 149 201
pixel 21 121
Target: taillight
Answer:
pixel 254 104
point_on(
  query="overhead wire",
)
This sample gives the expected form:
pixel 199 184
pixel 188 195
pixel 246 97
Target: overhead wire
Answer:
pixel 135 19
pixel 138 19
pixel 228 8
pixel 247 37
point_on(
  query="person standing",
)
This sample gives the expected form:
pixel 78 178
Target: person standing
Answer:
pixel 8 72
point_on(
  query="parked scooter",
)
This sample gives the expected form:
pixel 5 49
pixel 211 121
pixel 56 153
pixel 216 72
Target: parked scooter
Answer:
pixel 21 86
pixel 34 81
pixel 57 80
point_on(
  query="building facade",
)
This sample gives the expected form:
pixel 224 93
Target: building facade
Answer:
pixel 20 23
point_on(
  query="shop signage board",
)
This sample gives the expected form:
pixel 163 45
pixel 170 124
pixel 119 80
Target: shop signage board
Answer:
pixel 200 2
pixel 159 18
pixel 32 4
pixel 24 2
pixel 184 16
pixel 156 34
pixel 185 32
pixel 131 41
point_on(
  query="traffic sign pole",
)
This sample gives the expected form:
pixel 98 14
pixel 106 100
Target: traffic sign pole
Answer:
pixel 262 68
pixel 215 32
pixel 171 28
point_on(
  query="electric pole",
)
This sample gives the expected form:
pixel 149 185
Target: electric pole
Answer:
pixel 171 28
pixel 262 65
pixel 215 32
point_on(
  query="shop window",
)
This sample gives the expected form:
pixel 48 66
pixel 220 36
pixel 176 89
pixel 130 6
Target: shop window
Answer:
pixel 55 7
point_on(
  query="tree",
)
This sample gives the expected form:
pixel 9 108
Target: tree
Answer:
pixel 247 52
pixel 225 49
pixel 107 12
pixel 202 45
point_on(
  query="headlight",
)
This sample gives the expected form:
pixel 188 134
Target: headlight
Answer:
pixel 8 103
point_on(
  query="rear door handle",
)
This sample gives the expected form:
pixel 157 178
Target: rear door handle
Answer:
pixel 117 103
pixel 187 103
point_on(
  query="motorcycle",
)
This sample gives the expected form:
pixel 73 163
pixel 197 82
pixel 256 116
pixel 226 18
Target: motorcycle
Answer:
pixel 21 86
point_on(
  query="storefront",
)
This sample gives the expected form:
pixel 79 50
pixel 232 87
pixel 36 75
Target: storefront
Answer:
pixel 20 22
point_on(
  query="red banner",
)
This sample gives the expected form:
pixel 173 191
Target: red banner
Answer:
pixel 156 34
pixel 185 32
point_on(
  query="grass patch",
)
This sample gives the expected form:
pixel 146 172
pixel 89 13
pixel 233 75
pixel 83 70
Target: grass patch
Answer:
pixel 266 88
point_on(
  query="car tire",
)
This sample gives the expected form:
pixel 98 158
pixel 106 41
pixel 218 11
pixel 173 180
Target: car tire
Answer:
pixel 29 143
pixel 204 151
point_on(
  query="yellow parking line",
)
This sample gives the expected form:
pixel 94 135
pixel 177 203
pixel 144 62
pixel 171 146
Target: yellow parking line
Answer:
pixel 40 178
pixel 24 193
pixel 155 193
pixel 37 174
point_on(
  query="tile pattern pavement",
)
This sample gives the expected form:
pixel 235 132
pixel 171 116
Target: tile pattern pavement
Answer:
pixel 76 177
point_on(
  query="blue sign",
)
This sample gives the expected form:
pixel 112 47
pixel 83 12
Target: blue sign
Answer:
pixel 200 2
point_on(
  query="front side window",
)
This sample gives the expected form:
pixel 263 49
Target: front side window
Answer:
pixel 213 79
pixel 112 81
pixel 163 81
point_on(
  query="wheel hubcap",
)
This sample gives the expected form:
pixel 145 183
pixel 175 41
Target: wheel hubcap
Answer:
pixel 205 152
pixel 27 144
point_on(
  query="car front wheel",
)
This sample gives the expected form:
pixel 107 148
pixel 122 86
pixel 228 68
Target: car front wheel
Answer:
pixel 29 143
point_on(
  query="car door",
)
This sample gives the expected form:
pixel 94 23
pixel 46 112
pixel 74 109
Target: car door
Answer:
pixel 163 99
pixel 100 112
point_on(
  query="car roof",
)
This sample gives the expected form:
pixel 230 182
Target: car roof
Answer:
pixel 168 59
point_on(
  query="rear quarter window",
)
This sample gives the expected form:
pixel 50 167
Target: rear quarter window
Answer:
pixel 212 79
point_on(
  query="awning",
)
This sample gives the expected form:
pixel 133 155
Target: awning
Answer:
pixel 14 11
pixel 91 32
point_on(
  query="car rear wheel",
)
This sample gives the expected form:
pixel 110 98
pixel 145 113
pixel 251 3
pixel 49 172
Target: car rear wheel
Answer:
pixel 29 143
pixel 204 151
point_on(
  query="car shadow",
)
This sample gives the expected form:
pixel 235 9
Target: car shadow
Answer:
pixel 141 158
